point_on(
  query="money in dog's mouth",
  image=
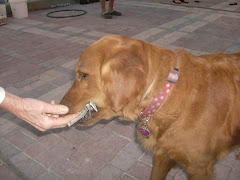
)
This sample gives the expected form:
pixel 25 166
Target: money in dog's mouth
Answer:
pixel 85 114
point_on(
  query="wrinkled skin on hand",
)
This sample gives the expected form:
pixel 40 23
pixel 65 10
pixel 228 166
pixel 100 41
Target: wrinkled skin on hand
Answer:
pixel 41 115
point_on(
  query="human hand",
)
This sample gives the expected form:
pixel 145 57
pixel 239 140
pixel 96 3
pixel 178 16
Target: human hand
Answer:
pixel 43 116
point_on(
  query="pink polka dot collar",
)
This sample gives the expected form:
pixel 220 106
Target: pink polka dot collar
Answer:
pixel 157 102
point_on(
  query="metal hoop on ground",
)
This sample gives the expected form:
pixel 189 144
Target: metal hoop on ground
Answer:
pixel 82 12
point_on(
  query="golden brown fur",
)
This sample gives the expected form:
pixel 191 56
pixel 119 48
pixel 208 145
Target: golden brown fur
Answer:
pixel 197 124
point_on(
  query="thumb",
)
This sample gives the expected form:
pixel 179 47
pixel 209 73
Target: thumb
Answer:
pixel 56 109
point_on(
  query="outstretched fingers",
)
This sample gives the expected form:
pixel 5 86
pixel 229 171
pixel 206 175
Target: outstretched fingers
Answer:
pixel 61 122
pixel 54 109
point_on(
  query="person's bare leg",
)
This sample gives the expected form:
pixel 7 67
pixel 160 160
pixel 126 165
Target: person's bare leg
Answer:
pixel 102 3
pixel 111 11
pixel 105 14
pixel 110 7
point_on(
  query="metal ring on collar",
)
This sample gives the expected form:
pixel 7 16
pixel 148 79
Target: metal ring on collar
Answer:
pixel 144 121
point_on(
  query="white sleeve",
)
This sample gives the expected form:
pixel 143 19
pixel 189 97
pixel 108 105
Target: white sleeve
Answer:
pixel 2 94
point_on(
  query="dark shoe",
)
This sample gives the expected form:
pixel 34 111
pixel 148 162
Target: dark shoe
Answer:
pixel 115 13
pixel 106 15
pixel 177 1
pixel 197 1
pixel 232 4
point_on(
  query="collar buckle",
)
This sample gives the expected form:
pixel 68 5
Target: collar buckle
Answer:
pixel 173 76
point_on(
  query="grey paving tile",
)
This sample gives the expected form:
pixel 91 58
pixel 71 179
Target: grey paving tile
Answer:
pixel 18 139
pixel 32 85
pixel 64 79
pixel 27 95
pixel 47 175
pixel 26 82
pixel 49 157
pixel 235 173
pixel 68 170
pixel 109 172
pixel 126 129
pixel 222 171
pixel 97 141
pixel 123 161
pixel 233 49
pixel 3 120
pixel 7 115
pixel 127 177
pixel 29 130
pixel 8 152
pixel 7 173
pixel 26 165
pixel 50 140
pixel 147 158
pixel 74 136
pixel 210 45
pixel 41 90
pixel 134 149
pixel 140 171
pixel 91 130
pixel 230 160
pixel 43 144
pixel 215 29
pixel 16 78
pixel 35 149
pixel 14 90
pixel 93 164
pixel 3 143
pixel 112 148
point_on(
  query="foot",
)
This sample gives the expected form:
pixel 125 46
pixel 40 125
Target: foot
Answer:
pixel 106 15
pixel 177 1
pixel 115 13
pixel 233 4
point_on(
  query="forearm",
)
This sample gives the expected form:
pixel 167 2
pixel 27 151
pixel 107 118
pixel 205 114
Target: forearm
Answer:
pixel 11 103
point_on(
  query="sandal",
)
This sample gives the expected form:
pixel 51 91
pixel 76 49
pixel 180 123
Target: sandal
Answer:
pixel 233 4
pixel 115 13
pixel 177 1
pixel 106 15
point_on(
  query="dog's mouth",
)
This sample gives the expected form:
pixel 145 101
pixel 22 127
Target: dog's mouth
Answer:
pixel 85 114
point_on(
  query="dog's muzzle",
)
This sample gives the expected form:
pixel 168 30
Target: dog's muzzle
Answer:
pixel 85 114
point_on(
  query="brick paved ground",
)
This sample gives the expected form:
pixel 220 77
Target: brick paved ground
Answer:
pixel 38 55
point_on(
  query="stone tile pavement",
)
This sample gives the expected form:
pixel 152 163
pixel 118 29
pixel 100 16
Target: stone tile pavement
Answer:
pixel 38 56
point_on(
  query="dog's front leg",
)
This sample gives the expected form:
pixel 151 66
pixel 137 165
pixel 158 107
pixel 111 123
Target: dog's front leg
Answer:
pixel 161 166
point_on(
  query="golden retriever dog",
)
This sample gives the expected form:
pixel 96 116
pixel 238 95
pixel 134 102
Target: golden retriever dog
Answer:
pixel 198 122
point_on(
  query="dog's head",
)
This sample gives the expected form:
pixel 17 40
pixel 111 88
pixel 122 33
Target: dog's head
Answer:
pixel 112 73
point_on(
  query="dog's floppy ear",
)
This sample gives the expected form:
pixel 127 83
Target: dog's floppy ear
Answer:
pixel 124 76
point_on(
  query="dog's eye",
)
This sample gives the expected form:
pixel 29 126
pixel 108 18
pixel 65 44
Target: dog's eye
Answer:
pixel 82 75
